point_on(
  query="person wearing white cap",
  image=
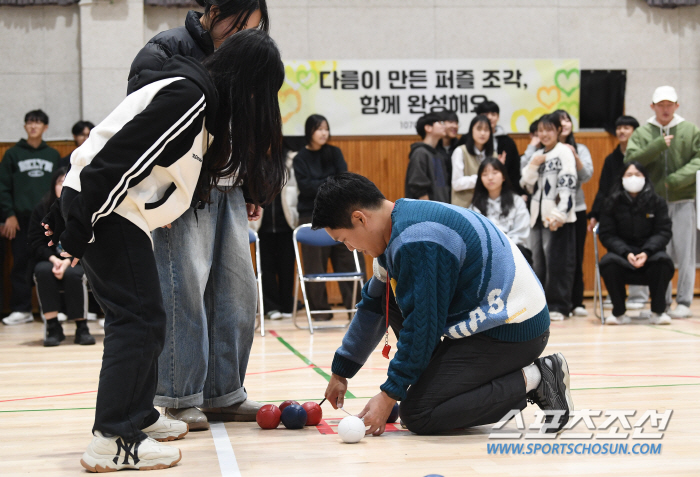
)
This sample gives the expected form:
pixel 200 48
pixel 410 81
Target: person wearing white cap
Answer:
pixel 669 147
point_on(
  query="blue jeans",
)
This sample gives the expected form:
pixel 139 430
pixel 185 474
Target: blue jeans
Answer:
pixel 209 293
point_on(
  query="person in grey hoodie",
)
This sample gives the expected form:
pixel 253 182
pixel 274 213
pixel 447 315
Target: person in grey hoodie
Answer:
pixel 426 176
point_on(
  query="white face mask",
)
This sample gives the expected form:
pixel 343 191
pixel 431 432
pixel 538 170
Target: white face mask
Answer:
pixel 633 184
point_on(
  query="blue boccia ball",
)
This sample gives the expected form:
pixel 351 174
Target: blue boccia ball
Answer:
pixel 294 416
pixel 394 414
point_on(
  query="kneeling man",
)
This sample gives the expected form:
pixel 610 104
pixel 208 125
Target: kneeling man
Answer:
pixel 471 321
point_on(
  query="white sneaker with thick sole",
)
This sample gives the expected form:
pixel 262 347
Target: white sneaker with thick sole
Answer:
pixel 18 317
pixel 617 320
pixel 167 429
pixel 109 454
pixel 580 311
pixel 556 316
pixel 634 305
pixel 681 311
pixel 662 319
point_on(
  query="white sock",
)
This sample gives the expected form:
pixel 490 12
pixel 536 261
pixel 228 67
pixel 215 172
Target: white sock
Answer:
pixel 532 376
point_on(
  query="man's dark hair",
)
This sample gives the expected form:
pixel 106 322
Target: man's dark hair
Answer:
pixel 80 126
pixel 533 126
pixel 627 121
pixel 450 115
pixel 339 196
pixel 487 107
pixel 427 120
pixel 36 115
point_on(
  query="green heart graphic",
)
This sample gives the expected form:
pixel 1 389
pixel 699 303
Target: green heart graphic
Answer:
pixel 571 107
pixel 307 78
pixel 570 83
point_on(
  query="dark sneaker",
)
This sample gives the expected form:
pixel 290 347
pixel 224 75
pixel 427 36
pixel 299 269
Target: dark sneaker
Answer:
pixel 54 333
pixel 82 334
pixel 554 390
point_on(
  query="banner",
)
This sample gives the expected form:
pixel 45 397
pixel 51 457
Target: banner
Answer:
pixel 386 97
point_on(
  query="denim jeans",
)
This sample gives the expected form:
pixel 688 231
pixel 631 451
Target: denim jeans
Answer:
pixel 209 294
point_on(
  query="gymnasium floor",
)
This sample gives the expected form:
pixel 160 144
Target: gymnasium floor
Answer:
pixel 47 398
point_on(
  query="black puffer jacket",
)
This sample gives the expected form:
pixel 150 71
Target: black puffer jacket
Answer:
pixel 191 40
pixel 635 225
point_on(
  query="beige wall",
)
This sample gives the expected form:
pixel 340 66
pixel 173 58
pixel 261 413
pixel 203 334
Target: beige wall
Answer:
pixel 44 63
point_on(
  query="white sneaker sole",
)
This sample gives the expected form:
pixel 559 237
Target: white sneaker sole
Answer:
pixel 166 436
pixel 104 464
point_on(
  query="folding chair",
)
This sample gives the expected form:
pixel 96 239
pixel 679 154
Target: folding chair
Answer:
pixel 597 287
pixel 320 238
pixel 254 239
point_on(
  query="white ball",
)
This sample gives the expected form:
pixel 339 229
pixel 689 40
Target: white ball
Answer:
pixel 351 429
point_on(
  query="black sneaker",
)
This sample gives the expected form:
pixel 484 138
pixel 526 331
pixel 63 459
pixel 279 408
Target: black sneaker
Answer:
pixel 554 390
pixel 54 333
pixel 82 334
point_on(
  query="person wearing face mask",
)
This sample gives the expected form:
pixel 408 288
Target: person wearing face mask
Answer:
pixel 635 228
pixel 312 166
pixel 466 159
pixel 669 147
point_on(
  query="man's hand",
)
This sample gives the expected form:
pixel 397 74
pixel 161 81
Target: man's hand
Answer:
pixel 9 231
pixel 554 225
pixel 335 391
pixel 60 267
pixel 632 258
pixel 67 255
pixel 254 212
pixel 640 259
pixel 668 140
pixel 591 223
pixel 376 412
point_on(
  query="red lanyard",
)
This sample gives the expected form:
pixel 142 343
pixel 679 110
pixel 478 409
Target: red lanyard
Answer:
pixel 387 348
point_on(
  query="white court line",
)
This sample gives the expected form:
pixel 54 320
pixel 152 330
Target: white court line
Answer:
pixel 224 451
pixel 42 363
pixel 600 343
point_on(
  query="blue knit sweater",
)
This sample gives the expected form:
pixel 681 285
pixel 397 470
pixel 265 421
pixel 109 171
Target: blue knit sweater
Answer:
pixel 454 274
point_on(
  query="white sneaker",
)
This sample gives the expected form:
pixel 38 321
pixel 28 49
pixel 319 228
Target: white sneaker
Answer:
pixel 607 304
pixel 273 315
pixel 62 317
pixel 166 429
pixel 286 315
pixel 634 305
pixel 18 317
pixel 101 322
pixel 556 316
pixel 681 311
pixel 108 454
pixel 580 311
pixel 617 320
pixel 644 315
pixel 662 319
pixel 92 316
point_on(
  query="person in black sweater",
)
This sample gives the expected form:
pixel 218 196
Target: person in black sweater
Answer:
pixel 312 166
pixel 635 228
pixel 503 143
pixel 612 167
pixel 53 273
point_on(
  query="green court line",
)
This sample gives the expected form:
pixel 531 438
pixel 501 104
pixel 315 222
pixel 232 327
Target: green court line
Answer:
pixel 306 360
pixel 629 387
pixel 665 328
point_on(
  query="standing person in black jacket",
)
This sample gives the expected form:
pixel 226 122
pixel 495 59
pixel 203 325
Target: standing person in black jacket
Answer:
pixel 450 142
pixel 209 302
pixel 312 166
pixel 197 123
pixel 503 143
pixel 426 174
pixel 53 273
pixel 635 228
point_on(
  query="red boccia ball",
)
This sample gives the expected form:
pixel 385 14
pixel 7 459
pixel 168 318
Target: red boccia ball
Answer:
pixel 268 416
pixel 313 413
pixel 286 403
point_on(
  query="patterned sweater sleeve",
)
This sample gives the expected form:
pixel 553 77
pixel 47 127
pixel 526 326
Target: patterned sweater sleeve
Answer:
pixel 426 279
pixel 566 185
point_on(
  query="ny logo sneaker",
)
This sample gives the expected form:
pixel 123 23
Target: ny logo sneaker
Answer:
pixel 109 454
pixel 554 391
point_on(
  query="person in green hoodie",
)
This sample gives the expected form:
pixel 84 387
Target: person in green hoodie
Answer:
pixel 669 147
pixel 25 176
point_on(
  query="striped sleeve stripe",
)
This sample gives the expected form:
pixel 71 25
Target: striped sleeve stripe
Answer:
pixel 147 158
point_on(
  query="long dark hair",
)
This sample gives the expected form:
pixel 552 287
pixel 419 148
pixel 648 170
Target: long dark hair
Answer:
pixel 468 138
pixel 50 195
pixel 570 139
pixel 248 72
pixel 240 10
pixel 645 197
pixel 481 194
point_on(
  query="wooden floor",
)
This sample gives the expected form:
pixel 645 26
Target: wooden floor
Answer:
pixel 47 398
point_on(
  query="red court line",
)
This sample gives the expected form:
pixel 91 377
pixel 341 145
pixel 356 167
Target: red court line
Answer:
pixel 43 397
pixel 280 370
